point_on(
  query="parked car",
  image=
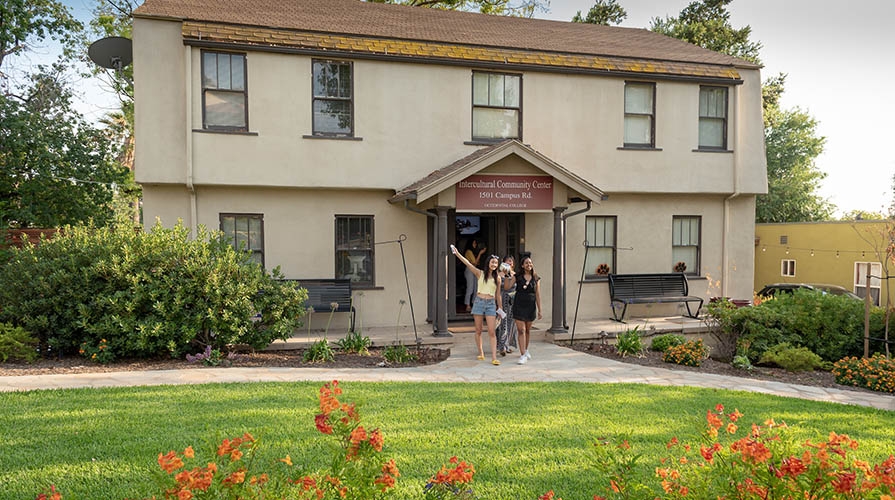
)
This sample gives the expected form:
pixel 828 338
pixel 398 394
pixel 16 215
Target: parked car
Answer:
pixel 773 289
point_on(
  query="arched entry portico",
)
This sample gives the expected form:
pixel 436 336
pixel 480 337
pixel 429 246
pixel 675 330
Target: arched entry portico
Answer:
pixel 508 177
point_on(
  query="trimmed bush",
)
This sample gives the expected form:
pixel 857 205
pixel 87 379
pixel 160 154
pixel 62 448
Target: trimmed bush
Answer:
pixel 662 342
pixel 876 373
pixel 690 353
pixel 16 344
pixel 146 293
pixel 793 359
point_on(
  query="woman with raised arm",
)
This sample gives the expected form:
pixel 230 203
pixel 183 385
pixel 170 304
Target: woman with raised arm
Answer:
pixel 487 301
pixel 473 254
pixel 526 305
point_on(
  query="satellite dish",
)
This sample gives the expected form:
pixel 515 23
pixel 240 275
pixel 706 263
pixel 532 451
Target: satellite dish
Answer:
pixel 114 52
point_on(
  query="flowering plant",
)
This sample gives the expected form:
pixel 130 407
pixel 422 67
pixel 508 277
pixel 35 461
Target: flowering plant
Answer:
pixel 101 353
pixel 451 481
pixel 876 373
pixel 680 267
pixel 603 269
pixel 690 353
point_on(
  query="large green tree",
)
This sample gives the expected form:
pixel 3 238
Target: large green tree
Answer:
pixel 603 12
pixel 55 168
pixel 26 22
pixel 791 138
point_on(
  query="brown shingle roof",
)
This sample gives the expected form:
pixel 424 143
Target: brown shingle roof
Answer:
pixel 353 17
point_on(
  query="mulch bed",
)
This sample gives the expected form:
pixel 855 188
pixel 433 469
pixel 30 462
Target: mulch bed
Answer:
pixel 273 358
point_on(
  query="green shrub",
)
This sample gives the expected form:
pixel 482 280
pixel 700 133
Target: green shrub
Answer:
pixel 398 354
pixel 147 293
pixel 793 359
pixel 16 344
pixel 741 362
pixel 319 352
pixel 875 373
pixel 690 353
pixel 354 342
pixel 99 353
pixel 662 342
pixel 629 343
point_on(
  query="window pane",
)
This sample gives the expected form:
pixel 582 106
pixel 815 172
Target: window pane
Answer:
pixel 228 226
pixel 596 257
pixel 255 237
pixel 495 84
pixel 242 233
pixel 332 117
pixel 344 80
pixel 480 89
pixel 224 71
pixel 319 79
pixel 713 102
pixel 224 109
pixel 687 255
pixel 209 70
pixel 638 129
pixel 495 123
pixel 639 99
pixel 237 72
pixel 354 254
pixel 511 91
pixel 711 132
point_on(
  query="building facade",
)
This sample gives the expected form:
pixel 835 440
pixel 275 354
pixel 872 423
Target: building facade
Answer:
pixel 831 252
pixel 317 133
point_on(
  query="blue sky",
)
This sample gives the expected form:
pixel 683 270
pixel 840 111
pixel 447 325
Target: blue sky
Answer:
pixel 839 65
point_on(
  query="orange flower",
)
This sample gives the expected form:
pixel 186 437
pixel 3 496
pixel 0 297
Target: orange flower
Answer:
pixel 189 452
pixel 376 440
pixel 731 428
pixel 322 425
pixel 671 443
pixel 237 477
pixel 713 420
pixel 169 462
pixel 792 467
pixel 287 460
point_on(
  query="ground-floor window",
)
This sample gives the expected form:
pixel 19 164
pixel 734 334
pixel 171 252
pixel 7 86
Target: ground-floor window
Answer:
pixel 354 249
pixel 245 232
pixel 599 232
pixel 861 280
pixel 685 243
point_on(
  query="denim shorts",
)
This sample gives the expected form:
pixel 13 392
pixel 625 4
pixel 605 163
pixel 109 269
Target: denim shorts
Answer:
pixel 484 307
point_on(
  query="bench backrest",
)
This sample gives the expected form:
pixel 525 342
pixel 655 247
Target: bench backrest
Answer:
pixel 324 292
pixel 634 286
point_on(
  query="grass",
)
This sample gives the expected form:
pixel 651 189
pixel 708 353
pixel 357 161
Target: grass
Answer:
pixel 523 438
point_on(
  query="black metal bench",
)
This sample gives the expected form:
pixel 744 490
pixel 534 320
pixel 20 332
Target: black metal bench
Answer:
pixel 323 293
pixel 627 289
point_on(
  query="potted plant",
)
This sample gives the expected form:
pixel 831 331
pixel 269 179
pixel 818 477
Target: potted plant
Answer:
pixel 603 269
pixel 680 267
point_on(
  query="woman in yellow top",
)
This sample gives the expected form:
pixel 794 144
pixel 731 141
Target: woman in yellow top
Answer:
pixel 487 301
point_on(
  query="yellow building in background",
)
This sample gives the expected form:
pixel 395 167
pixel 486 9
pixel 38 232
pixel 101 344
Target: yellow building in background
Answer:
pixel 834 253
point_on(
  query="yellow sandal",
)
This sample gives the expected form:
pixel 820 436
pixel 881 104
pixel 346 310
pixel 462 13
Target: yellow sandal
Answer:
pixel 495 362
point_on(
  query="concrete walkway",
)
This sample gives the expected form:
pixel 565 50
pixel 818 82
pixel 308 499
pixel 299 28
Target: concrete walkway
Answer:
pixel 550 363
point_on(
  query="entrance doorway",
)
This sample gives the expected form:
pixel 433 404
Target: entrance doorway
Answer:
pixel 500 234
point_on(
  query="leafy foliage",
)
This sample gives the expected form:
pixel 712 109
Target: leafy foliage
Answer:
pixel 629 343
pixel 691 353
pixel 521 8
pixel 16 344
pixel 148 294
pixel 398 354
pixel 793 359
pixel 707 23
pixel 355 342
pixel 319 352
pixel 876 373
pixel 603 12
pixel 662 342
pixel 24 22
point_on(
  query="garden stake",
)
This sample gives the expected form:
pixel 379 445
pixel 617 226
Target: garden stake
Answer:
pixel 400 241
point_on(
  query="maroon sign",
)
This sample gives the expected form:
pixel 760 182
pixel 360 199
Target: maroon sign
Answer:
pixel 494 193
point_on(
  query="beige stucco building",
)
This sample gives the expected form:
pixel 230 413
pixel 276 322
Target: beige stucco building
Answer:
pixel 317 132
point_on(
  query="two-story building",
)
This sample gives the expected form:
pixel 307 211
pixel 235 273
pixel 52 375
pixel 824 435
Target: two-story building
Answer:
pixel 317 132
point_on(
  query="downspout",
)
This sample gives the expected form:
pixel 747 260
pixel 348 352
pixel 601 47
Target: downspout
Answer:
pixel 725 253
pixel 564 255
pixel 194 210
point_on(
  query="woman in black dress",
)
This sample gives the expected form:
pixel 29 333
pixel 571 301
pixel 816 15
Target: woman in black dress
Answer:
pixel 527 306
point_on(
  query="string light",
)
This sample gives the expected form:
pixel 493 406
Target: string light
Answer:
pixel 764 248
pixel 787 250
pixel 837 254
pixel 812 252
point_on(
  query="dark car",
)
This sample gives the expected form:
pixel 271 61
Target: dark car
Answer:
pixel 773 289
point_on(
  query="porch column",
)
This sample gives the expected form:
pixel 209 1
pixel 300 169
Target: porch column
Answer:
pixel 441 254
pixel 557 319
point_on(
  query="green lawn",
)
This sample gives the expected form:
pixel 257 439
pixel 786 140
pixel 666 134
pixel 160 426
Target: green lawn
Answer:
pixel 523 438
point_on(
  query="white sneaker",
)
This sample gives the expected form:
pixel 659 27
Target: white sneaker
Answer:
pixel 523 359
pixel 528 354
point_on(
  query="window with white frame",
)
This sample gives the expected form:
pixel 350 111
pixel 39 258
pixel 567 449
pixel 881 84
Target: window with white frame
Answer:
pixel 788 267
pixel 496 106
pixel 861 269
pixel 713 118
pixel 245 232
pixel 224 91
pixel 640 113
pixel 354 249
pixel 601 249
pixel 685 244
pixel 333 106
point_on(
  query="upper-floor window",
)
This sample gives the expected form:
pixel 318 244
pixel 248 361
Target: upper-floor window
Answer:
pixel 333 106
pixel 788 268
pixel 224 98
pixel 354 249
pixel 640 114
pixel 496 106
pixel 712 117
pixel 599 232
pixel 685 244
pixel 246 233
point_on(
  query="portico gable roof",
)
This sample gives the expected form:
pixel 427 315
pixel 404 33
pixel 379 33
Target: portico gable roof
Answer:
pixel 481 159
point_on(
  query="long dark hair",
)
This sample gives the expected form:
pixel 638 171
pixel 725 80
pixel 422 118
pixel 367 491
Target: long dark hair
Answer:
pixel 534 274
pixel 486 268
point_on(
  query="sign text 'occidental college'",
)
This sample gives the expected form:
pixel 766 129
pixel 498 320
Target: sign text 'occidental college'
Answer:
pixel 505 192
